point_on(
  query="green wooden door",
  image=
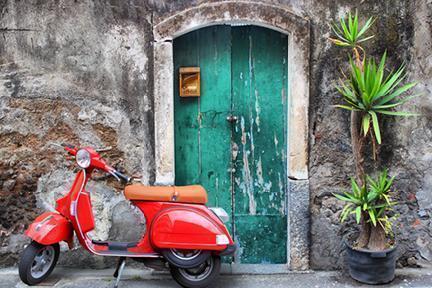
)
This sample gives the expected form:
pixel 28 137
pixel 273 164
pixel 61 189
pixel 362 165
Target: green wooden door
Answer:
pixel 242 163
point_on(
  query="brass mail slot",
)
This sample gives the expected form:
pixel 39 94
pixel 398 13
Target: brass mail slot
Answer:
pixel 189 81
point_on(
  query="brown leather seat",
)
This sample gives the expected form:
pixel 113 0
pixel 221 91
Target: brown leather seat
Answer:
pixel 183 194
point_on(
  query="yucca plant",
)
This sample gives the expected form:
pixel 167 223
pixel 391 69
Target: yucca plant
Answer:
pixel 371 91
pixel 373 202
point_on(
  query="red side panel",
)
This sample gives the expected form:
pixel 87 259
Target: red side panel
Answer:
pixel 185 228
pixel 50 228
pixel 85 214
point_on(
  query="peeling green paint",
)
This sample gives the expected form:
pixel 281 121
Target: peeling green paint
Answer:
pixel 242 164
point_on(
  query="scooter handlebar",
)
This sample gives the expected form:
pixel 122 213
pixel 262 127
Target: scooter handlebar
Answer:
pixel 72 150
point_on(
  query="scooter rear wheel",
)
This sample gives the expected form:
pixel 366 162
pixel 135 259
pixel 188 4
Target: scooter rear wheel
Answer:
pixel 198 277
pixel 186 258
pixel 37 262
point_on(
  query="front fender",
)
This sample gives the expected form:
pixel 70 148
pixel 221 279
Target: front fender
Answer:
pixel 50 228
pixel 184 228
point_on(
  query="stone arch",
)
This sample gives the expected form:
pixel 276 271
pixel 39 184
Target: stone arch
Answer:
pixel 274 17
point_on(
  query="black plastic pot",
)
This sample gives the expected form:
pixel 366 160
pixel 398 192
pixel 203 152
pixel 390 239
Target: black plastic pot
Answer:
pixel 371 267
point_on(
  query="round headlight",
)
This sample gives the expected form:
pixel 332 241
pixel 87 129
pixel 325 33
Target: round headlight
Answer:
pixel 83 158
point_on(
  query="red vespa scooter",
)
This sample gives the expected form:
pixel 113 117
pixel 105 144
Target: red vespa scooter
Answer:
pixel 180 230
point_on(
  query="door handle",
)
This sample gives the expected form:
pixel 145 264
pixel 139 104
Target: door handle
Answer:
pixel 232 119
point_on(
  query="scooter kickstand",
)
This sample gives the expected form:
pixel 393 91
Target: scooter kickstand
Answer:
pixel 119 270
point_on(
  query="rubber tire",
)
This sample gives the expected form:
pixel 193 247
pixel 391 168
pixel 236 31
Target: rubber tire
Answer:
pixel 173 260
pixel 26 261
pixel 186 283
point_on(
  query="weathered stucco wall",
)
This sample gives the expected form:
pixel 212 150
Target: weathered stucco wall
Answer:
pixel 77 72
pixel 83 72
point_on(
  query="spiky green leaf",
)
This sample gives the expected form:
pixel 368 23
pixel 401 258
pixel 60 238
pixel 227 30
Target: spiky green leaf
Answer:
pixel 372 217
pixel 376 128
pixel 358 214
pixel 366 124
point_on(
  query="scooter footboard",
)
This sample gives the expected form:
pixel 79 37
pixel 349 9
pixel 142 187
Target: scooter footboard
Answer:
pixel 50 228
pixel 187 229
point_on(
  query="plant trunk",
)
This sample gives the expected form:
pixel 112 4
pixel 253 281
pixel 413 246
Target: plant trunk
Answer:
pixel 365 231
pixel 357 142
pixel 377 240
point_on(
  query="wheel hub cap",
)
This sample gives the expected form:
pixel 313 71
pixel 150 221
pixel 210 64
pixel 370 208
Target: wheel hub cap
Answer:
pixel 42 262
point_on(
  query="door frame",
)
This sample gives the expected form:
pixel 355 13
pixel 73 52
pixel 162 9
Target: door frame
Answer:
pixel 298 31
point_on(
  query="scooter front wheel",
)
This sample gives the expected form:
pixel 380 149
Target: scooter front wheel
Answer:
pixel 37 262
pixel 197 277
